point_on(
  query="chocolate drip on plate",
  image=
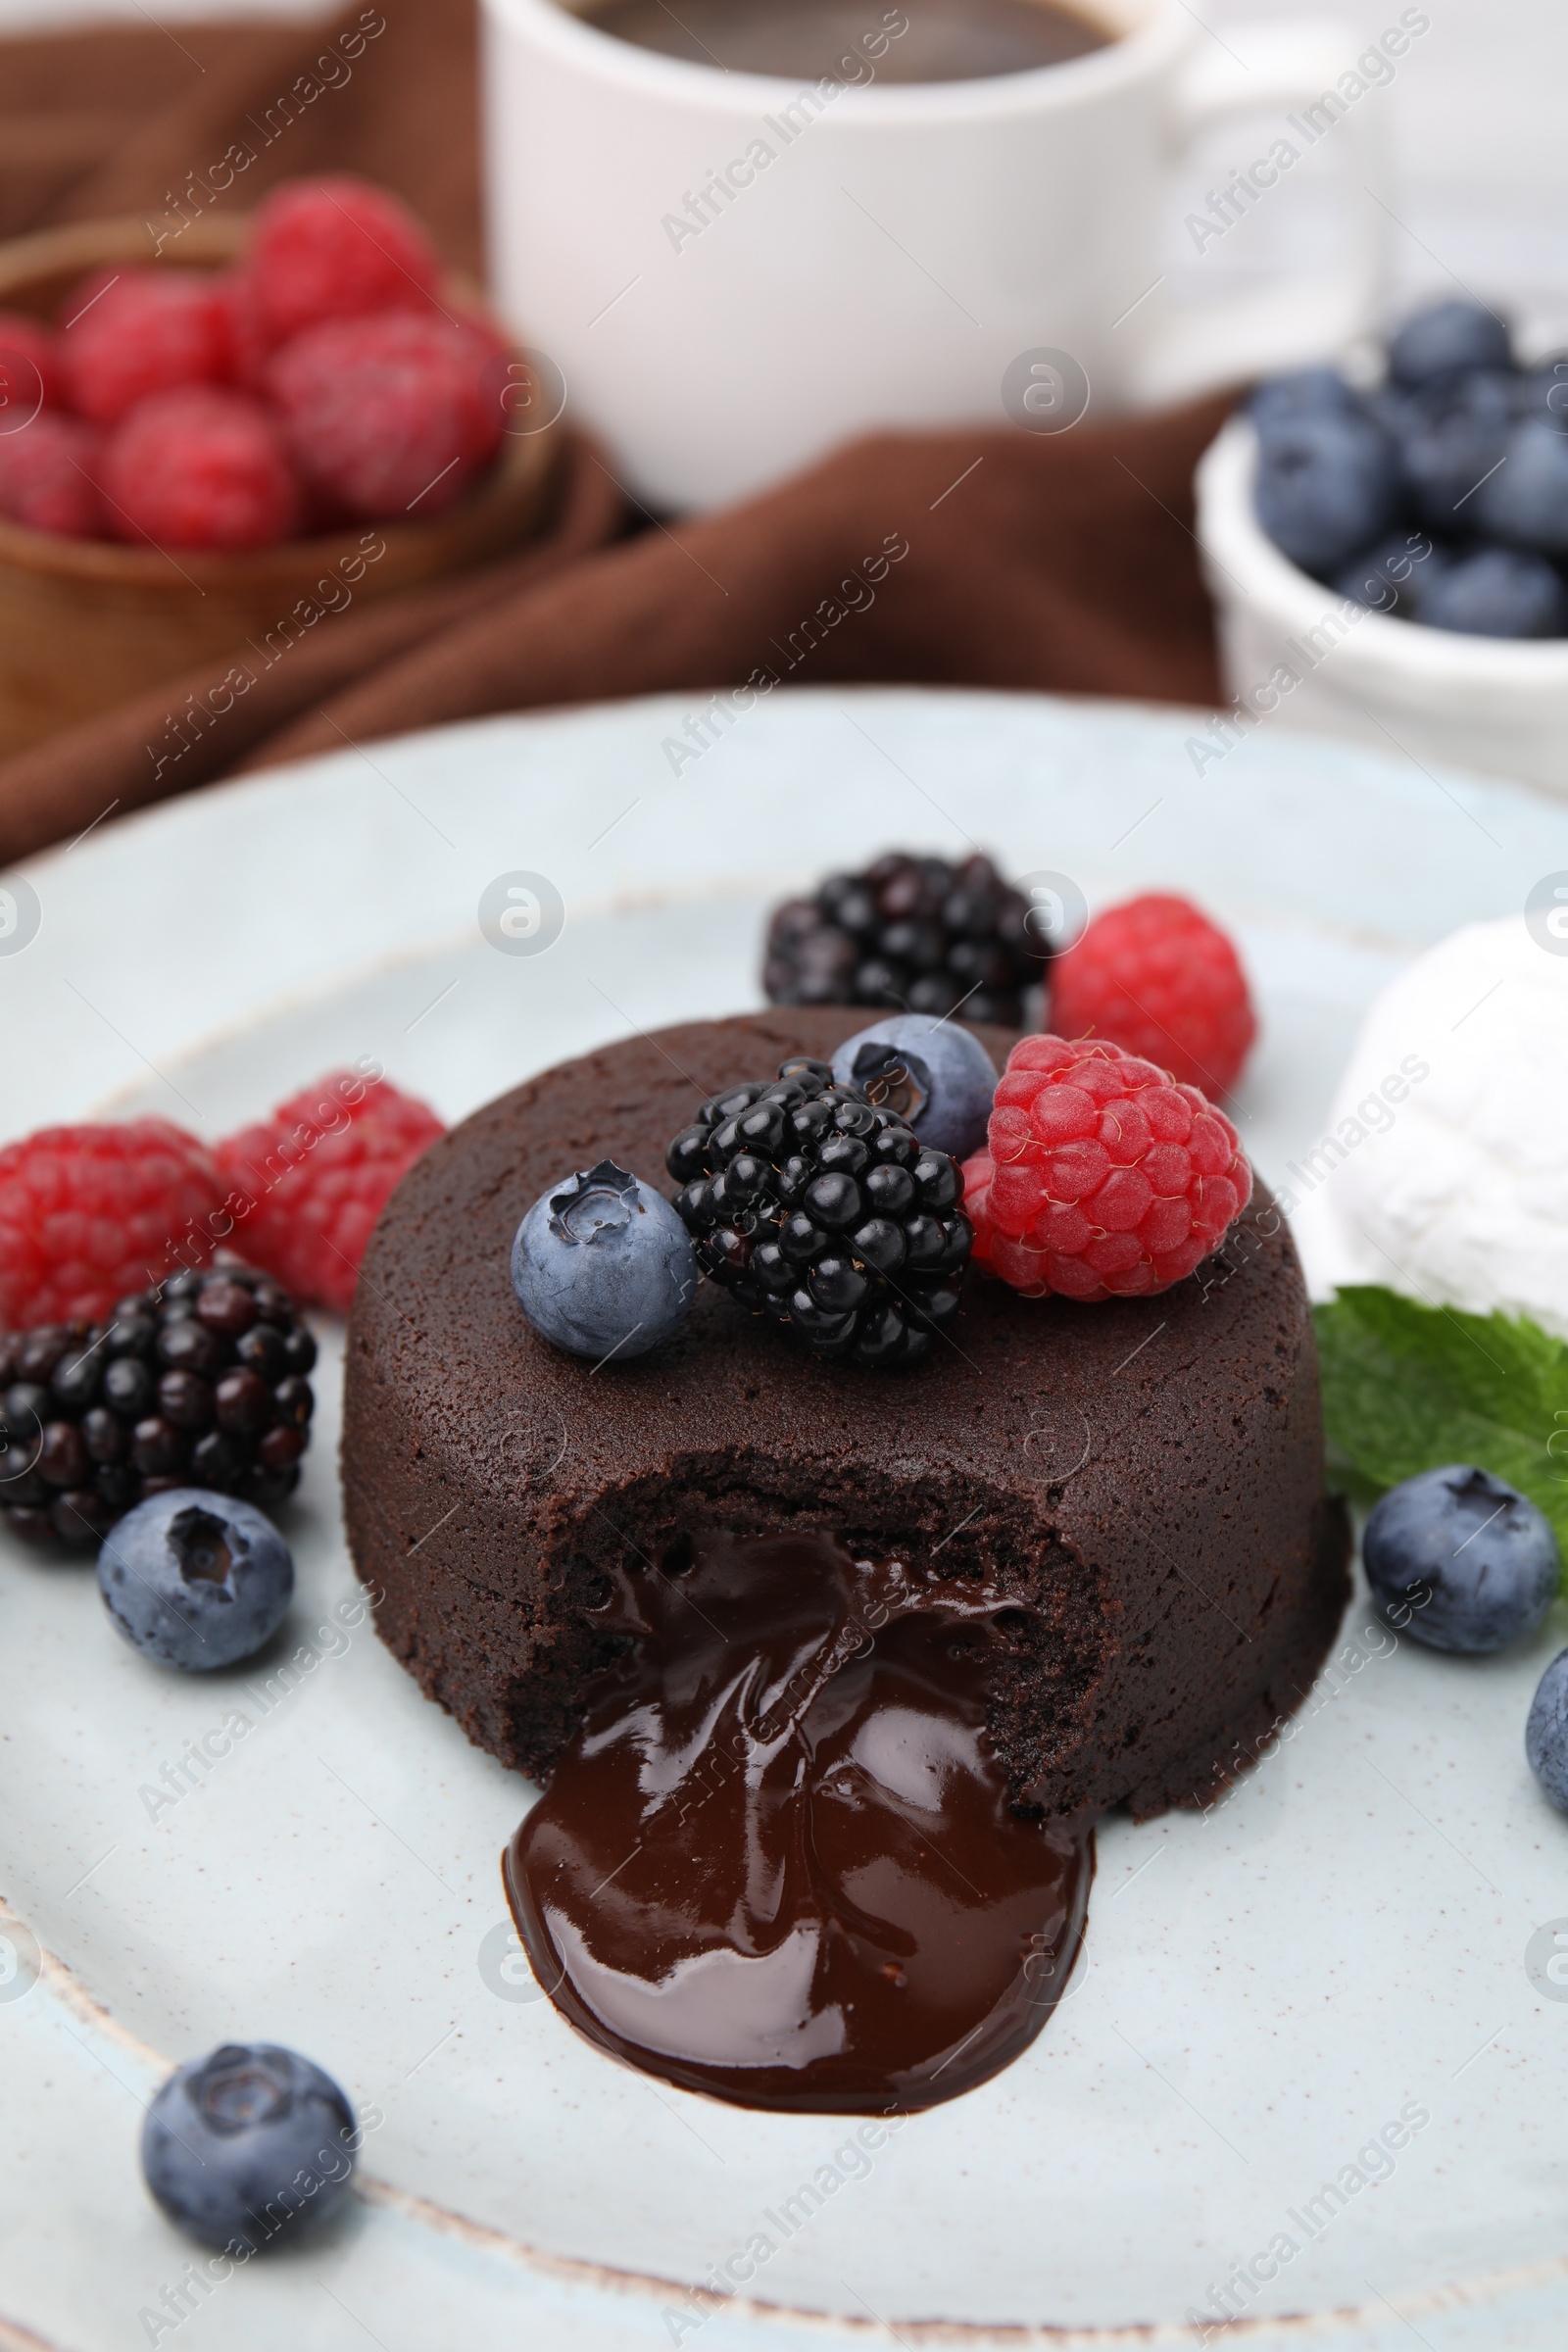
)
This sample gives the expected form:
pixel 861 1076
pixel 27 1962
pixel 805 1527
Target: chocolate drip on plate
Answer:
pixel 778 1861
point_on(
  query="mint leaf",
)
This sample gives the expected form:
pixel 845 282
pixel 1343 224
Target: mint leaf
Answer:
pixel 1409 1388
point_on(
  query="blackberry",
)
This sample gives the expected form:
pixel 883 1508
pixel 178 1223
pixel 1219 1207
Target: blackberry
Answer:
pixel 824 1213
pixel 201 1382
pixel 914 933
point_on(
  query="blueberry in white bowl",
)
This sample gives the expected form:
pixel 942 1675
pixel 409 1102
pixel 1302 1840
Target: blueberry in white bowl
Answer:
pixel 1450 442
pixel 602 1265
pixel 1544 391
pixel 1524 503
pixel 249 2147
pixel 1461 1561
pixel 1391 577
pixel 1461 441
pixel 195 1580
pixel 1547 1732
pixel 1300 392
pixel 938 1077
pixel 1446 340
pixel 1496 592
pixel 1328 483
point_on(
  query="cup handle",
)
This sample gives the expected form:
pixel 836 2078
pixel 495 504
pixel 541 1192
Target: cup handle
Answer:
pixel 1296 65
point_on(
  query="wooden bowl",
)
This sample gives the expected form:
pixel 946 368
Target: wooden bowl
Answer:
pixel 84 623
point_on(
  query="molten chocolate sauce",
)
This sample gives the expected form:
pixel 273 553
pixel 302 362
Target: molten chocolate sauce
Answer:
pixel 778 1862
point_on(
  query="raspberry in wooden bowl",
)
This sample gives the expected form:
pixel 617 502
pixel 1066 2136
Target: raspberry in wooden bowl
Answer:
pixel 215 447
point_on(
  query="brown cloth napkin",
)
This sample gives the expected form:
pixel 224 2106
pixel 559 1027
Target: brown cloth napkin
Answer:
pixel 972 557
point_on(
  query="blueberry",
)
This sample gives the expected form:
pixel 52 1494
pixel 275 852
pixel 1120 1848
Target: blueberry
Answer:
pixel 195 1579
pixel 937 1076
pixel 1388 578
pixel 1461 1561
pixel 249 2147
pixel 1544 392
pixel 1303 392
pixel 1393 408
pixel 1546 1730
pixel 1497 592
pixel 603 1266
pixel 1453 440
pixel 1525 504
pixel 1448 339
pixel 1327 484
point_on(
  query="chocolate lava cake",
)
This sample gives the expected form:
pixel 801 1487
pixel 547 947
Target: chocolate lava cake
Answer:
pixel 1141 1479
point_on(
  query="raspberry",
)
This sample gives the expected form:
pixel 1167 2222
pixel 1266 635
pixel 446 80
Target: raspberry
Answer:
pixel 318 1174
pixel 250 347
pixel 1104 1178
pixel 336 248
pixel 89 1214
pixel 200 468
pixel 49 477
pixel 387 414
pixel 486 336
pixel 29 368
pixel 1159 978
pixel 130 332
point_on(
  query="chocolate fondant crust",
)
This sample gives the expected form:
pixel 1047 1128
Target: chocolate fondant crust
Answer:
pixel 1144 1477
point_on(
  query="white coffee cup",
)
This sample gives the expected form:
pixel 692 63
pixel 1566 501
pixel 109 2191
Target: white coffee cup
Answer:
pixel 731 272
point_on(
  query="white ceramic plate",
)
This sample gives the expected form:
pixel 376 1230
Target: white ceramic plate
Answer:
pixel 1265 1989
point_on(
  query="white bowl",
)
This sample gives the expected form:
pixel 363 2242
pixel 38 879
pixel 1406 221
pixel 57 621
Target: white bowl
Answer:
pixel 1296 655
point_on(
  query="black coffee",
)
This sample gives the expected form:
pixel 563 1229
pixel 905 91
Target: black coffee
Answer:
pixel 855 40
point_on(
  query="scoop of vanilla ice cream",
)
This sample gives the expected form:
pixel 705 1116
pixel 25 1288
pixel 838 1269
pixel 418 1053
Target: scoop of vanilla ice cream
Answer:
pixel 1445 1169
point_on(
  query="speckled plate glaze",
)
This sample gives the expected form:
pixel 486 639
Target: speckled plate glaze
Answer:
pixel 1309 2072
